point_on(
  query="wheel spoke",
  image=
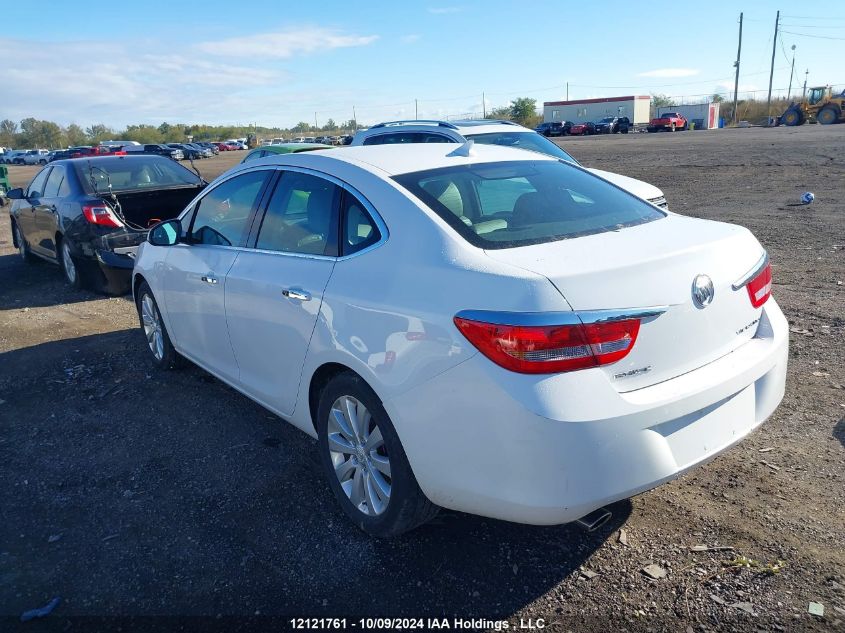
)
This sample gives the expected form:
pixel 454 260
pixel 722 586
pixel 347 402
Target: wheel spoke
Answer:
pixel 381 462
pixel 350 412
pixel 340 444
pixel 344 470
pixel 374 440
pixel 339 424
pixel 381 487
pixel 374 505
pixel 356 493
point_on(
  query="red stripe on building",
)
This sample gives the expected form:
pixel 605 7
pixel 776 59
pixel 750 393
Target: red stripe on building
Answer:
pixel 602 100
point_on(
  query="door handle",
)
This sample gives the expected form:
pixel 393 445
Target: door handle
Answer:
pixel 296 293
pixel 209 279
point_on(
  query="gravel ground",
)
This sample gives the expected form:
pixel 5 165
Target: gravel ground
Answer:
pixel 130 492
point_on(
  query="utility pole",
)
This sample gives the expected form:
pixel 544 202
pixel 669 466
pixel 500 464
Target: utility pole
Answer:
pixel 354 120
pixel 804 94
pixel 416 109
pixel 772 71
pixel 789 92
pixel 567 91
pixel 315 121
pixel 483 106
pixel 736 64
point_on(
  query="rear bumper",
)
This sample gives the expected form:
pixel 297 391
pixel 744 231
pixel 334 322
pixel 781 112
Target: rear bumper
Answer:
pixel 550 449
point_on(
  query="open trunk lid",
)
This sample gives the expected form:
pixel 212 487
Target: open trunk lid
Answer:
pixel 654 265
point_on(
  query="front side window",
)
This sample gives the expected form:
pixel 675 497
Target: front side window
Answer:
pixel 517 203
pixel 301 216
pixel 523 140
pixel 36 187
pixel 223 214
pixel 255 155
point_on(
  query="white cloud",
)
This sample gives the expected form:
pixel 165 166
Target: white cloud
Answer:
pixel 444 10
pixel 670 72
pixel 411 38
pixel 285 44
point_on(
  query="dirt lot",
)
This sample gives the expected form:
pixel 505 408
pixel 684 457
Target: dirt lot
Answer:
pixel 131 492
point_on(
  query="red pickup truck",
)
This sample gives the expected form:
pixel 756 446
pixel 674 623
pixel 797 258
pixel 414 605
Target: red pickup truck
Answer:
pixel 670 121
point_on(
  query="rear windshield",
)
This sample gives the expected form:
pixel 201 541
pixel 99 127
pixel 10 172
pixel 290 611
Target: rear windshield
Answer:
pixel 132 172
pixel 510 204
pixel 523 140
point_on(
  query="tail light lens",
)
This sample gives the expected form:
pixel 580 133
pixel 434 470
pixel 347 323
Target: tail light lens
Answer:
pixel 551 349
pixel 760 287
pixel 101 215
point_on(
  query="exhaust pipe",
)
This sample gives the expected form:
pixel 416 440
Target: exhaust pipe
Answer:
pixel 593 521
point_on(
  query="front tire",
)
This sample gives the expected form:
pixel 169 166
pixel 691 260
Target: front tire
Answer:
pixel 163 354
pixel 364 461
pixel 792 117
pixel 23 248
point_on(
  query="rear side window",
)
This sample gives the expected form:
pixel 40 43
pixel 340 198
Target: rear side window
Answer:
pixel 223 215
pixel 510 204
pixel 358 228
pixel 301 216
pixel 55 183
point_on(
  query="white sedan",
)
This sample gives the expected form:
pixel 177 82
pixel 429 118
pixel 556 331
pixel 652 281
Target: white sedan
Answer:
pixel 478 328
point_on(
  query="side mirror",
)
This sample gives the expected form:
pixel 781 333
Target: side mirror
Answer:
pixel 165 233
pixel 15 194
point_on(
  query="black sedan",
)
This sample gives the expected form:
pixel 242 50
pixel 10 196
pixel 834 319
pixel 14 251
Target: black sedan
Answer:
pixel 89 215
pixel 613 124
pixel 190 152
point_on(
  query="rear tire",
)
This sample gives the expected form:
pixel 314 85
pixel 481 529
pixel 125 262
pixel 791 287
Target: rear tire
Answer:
pixel 828 115
pixel 364 461
pixel 76 272
pixel 162 352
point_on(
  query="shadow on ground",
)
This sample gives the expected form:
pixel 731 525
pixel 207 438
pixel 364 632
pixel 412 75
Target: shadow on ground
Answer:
pixel 130 491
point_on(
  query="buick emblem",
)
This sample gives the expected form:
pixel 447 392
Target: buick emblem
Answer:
pixel 702 291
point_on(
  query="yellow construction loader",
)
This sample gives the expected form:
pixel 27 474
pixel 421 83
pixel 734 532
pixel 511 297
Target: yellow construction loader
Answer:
pixel 819 104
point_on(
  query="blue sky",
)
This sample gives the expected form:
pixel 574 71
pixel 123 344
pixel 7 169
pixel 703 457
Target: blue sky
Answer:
pixel 278 63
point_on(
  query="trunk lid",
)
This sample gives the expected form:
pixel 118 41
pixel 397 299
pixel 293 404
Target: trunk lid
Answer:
pixel 654 265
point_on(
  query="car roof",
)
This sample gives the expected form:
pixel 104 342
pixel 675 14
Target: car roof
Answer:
pixel 392 160
pixel 288 148
pixel 453 129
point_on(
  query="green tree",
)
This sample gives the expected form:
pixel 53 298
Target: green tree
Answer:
pixel 524 111
pixel 8 131
pixel 661 101
pixel 98 132
pixel 716 98
pixel 75 135
pixel 142 134
pixel 302 126
pixel 330 126
pixel 502 113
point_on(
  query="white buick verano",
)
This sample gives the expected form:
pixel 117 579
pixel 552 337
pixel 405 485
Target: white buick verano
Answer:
pixel 479 328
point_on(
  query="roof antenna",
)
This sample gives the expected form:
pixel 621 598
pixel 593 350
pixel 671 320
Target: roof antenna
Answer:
pixel 463 150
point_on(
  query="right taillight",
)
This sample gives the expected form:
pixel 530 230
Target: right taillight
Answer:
pixel 101 215
pixel 760 286
pixel 546 349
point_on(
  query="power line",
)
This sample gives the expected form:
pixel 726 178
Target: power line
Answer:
pixel 817 37
pixel 811 17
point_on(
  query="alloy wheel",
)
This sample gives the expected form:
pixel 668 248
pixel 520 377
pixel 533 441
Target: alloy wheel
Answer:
pixel 67 263
pixel 359 456
pixel 152 327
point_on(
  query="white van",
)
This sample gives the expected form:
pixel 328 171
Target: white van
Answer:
pixel 119 143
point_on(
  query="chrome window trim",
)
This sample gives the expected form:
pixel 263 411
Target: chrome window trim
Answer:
pixel 535 319
pixel 751 274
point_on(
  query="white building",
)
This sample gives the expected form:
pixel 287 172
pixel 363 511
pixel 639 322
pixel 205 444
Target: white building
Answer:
pixel 636 108
pixel 704 115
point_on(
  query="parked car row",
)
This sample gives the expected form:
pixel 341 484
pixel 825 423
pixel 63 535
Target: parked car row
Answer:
pixel 607 125
pixel 344 139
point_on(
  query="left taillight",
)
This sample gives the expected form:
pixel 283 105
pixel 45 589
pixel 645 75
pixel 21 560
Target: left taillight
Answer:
pixel 547 349
pixel 101 215
pixel 760 286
